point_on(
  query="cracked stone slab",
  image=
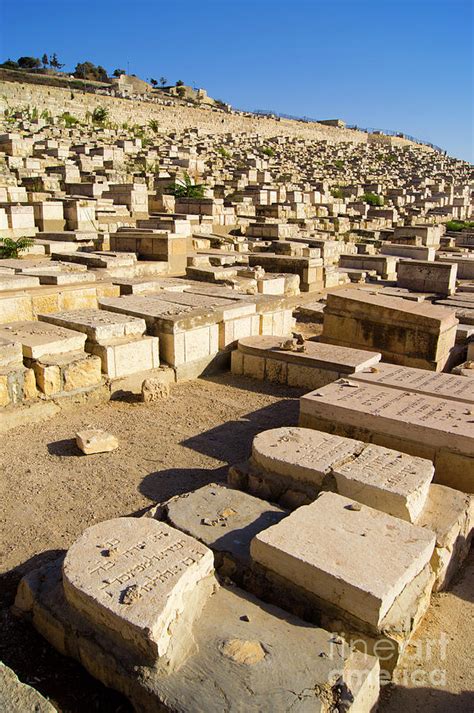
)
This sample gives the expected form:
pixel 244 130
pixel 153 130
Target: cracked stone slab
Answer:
pixel 249 656
pixel 132 576
pixel 385 479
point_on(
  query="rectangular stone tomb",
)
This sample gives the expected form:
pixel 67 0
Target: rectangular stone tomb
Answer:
pixel 185 334
pixel 38 338
pixel 117 339
pixel 126 590
pixel 411 334
pixel 358 564
pixel 427 426
pixel 427 276
pixel 56 277
pixel 308 365
pixel 291 465
pixel 12 281
pixel 420 381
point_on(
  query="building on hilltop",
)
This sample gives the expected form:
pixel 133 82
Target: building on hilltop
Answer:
pixel 128 84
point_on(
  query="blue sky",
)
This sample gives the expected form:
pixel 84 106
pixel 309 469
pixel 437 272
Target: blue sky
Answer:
pixel 405 65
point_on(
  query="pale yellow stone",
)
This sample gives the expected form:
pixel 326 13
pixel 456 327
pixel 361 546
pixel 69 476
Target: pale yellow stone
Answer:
pixel 4 394
pixel 29 385
pixel 82 373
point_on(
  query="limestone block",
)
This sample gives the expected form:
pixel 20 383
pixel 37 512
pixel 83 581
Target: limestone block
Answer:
pixel 154 390
pixel 237 362
pixel 29 385
pixel 14 308
pixel 96 441
pixel 18 697
pixel 421 381
pixel 124 356
pixel 48 377
pixel 386 480
pixel 17 282
pixel 132 576
pixel 81 373
pixel 11 353
pixel 38 338
pixel 426 276
pixel 351 556
pixel 254 366
pixel 448 513
pixel 5 397
pixel 98 325
pixel 277 371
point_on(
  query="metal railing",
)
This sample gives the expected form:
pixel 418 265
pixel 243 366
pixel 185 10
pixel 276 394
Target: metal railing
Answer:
pixel 368 130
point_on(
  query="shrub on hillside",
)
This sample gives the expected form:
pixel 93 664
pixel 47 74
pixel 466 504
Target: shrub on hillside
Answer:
pixel 373 199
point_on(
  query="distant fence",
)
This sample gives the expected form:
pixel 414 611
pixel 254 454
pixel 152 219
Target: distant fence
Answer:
pixel 368 130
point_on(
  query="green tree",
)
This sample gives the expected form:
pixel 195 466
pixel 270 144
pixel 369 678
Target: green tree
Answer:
pixel 12 248
pixel 118 72
pixel 100 115
pixel 163 81
pixel 9 64
pixel 54 62
pixel 180 83
pixel 45 60
pixel 181 91
pixel 372 199
pixel 154 82
pixel 88 70
pixel 185 188
pixel 29 62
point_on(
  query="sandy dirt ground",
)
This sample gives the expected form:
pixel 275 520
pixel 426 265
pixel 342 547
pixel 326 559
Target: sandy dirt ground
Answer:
pixel 50 493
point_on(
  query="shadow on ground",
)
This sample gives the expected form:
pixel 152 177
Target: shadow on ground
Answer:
pixel 56 677
pixel 164 484
pixel 232 441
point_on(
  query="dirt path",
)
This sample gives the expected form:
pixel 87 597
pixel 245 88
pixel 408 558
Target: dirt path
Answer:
pixel 50 494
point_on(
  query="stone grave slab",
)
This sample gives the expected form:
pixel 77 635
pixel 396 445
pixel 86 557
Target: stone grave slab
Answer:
pixel 245 651
pixel 13 281
pixel 355 558
pixel 308 461
pixel 411 334
pixel 421 381
pixel 57 277
pixel 427 426
pixel 39 339
pixel 132 577
pixel 224 519
pixel 98 325
pixel 393 482
pixel 343 360
pixel 11 353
